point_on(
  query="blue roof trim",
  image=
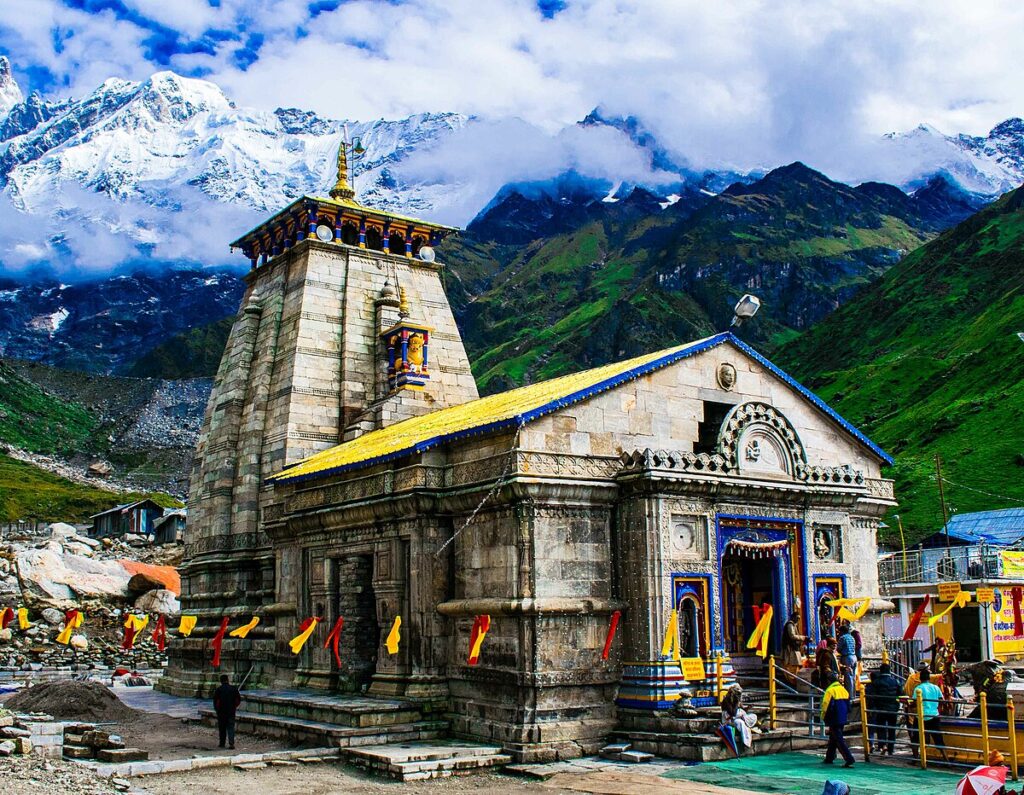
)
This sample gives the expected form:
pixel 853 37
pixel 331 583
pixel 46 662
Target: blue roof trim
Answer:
pixel 817 401
pixel 602 386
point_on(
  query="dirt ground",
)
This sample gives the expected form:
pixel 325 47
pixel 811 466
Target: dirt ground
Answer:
pixel 328 779
pixel 172 738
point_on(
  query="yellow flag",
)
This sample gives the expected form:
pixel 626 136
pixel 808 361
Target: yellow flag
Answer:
pixel 187 624
pixel 844 606
pixel 670 644
pixel 961 600
pixel 79 618
pixel 241 632
pixel 759 638
pixel 23 622
pixel 394 636
pixel 138 623
pixel 300 640
pixel 66 633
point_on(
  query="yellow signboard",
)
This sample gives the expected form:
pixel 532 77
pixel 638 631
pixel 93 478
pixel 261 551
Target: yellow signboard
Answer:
pixel 693 669
pixel 1004 643
pixel 985 596
pixel 1013 564
pixel 948 591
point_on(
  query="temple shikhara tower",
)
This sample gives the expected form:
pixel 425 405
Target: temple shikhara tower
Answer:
pixel 348 469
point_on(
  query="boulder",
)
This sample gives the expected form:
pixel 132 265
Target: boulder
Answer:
pixel 7 747
pixel 60 530
pixel 51 616
pixel 6 634
pixel 79 643
pixel 99 469
pixel 159 600
pixel 54 578
pixel 135 540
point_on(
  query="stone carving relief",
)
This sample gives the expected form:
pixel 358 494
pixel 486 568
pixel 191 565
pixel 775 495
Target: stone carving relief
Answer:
pixel 826 542
pixel 726 376
pixel 758 436
pixel 689 536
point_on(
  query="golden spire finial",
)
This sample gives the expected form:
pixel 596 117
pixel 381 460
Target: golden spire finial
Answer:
pixel 403 304
pixel 342 191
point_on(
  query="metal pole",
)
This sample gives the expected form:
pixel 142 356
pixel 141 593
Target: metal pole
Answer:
pixel 922 747
pixel 983 705
pixel 864 733
pixel 903 543
pixel 942 500
pixel 772 716
pixel 1011 723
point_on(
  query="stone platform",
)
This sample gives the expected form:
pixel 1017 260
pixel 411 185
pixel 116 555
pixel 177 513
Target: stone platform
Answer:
pixel 418 761
pixel 340 721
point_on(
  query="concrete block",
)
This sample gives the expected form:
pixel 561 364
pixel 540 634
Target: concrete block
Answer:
pixel 121 755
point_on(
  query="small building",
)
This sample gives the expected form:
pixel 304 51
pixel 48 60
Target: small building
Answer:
pixel 135 517
pixel 977 550
pixel 170 528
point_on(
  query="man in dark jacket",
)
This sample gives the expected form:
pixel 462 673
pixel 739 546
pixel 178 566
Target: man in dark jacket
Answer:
pixel 226 699
pixel 835 708
pixel 883 694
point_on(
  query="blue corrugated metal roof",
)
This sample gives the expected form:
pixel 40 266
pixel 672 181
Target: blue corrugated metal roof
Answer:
pixel 1003 527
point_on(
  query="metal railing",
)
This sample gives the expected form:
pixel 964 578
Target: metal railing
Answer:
pixel 939 565
pixel 791 702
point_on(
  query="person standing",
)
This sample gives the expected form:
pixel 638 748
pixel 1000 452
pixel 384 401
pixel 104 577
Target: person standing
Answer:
pixel 931 698
pixel 846 648
pixel 792 644
pixel 226 700
pixel 835 709
pixel 883 694
pixel 825 663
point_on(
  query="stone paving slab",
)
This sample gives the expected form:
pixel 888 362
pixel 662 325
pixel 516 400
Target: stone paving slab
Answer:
pixel 156 767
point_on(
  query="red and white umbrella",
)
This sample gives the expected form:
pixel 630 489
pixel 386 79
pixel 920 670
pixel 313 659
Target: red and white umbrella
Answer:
pixel 982 780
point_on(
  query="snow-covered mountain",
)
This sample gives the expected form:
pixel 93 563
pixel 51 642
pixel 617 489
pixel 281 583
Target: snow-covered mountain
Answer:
pixel 169 169
pixel 986 165
pixel 10 92
pixel 138 140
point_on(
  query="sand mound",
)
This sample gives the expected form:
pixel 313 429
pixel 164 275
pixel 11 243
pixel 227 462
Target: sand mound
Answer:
pixel 85 701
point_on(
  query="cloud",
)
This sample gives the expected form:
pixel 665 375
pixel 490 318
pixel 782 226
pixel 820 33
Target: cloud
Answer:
pixel 100 236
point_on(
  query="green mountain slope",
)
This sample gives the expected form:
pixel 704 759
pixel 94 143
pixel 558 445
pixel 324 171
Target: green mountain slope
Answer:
pixel 927 361
pixel 191 354
pixel 636 275
pixel 34 420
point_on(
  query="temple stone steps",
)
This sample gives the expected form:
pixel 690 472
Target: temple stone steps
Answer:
pixel 419 761
pixel 340 710
pixel 708 748
pixel 303 731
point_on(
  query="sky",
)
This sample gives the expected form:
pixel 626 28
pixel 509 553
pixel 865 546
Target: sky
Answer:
pixel 735 82
pixel 727 84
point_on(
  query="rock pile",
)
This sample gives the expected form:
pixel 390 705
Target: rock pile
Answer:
pixel 14 735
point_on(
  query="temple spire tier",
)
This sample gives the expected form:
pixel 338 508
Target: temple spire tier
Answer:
pixel 342 191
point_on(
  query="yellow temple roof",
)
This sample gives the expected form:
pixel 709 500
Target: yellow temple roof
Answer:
pixel 517 407
pixel 494 412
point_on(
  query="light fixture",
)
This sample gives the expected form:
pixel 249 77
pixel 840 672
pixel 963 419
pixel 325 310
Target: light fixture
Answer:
pixel 357 146
pixel 426 253
pixel 324 233
pixel 745 309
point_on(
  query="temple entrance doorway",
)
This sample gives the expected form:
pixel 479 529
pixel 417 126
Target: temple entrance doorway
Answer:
pixel 750 582
pixel 355 602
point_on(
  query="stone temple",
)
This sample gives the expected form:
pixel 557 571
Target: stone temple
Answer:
pixel 347 467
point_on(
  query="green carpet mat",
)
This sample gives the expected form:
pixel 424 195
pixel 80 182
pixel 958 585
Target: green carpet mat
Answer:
pixel 804 774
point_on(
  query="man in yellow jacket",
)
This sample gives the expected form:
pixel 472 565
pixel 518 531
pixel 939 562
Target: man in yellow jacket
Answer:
pixel 835 708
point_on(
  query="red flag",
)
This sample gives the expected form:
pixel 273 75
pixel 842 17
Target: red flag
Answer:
pixel 915 620
pixel 218 639
pixel 611 634
pixel 334 638
pixel 129 638
pixel 476 638
pixel 1018 623
pixel 6 617
pixel 160 633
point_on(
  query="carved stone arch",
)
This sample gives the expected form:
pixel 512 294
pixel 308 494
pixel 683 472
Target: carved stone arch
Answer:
pixel 757 429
